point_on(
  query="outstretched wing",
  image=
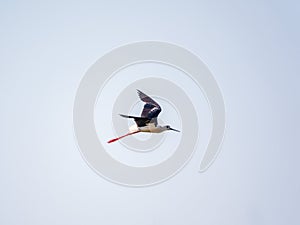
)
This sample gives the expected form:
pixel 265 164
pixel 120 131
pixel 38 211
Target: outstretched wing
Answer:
pixel 141 121
pixel 151 108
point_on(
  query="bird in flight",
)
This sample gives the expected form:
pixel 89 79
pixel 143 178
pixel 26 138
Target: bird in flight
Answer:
pixel 147 122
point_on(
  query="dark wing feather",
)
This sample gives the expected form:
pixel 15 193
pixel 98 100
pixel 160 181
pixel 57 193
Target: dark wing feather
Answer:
pixel 141 121
pixel 151 108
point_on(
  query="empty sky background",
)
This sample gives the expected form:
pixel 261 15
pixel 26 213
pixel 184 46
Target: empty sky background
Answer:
pixel 252 48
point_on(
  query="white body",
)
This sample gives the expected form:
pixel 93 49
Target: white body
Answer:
pixel 151 128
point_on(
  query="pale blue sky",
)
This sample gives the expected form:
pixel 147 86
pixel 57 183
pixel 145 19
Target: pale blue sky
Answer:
pixel 252 48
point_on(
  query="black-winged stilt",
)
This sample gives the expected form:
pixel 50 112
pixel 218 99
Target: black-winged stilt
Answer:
pixel 147 122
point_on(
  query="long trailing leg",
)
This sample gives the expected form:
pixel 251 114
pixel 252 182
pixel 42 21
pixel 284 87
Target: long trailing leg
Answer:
pixel 118 138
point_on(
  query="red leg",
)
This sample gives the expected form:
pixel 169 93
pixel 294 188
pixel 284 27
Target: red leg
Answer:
pixel 118 138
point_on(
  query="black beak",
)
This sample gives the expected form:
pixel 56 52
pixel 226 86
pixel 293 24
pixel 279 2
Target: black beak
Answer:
pixel 174 130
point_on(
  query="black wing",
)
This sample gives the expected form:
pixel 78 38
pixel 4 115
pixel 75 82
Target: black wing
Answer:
pixel 141 121
pixel 151 108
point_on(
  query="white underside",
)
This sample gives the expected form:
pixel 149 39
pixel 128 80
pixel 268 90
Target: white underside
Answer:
pixel 151 128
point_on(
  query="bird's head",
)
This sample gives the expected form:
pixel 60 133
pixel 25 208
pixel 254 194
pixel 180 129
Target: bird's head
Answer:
pixel 167 127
